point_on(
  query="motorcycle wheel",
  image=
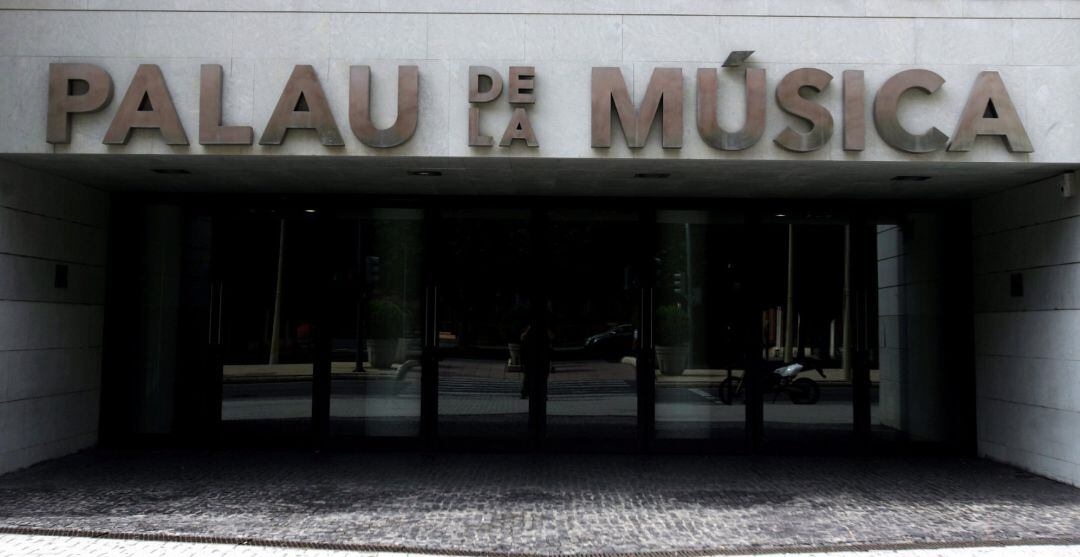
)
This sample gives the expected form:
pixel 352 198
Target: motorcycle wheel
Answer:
pixel 804 391
pixel 727 391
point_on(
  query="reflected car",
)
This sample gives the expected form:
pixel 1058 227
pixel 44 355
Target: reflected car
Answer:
pixel 613 343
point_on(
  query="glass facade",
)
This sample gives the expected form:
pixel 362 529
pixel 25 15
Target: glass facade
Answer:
pixel 502 327
pixel 374 321
pixel 483 310
pixel 699 325
pixel 267 298
pixel 590 273
pixel 808 388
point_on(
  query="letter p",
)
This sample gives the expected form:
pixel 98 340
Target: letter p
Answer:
pixel 74 88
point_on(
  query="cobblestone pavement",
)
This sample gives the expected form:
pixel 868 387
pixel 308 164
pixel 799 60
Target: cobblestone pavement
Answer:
pixel 57 546
pixel 546 504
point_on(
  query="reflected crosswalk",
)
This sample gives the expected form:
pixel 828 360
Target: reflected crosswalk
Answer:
pixel 556 388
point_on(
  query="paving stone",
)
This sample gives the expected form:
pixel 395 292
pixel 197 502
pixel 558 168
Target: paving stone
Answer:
pixel 54 546
pixel 544 504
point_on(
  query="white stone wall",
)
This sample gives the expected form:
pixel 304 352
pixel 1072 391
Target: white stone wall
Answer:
pixel 1035 45
pixel 891 351
pixel 50 338
pixel 910 332
pixel 1028 348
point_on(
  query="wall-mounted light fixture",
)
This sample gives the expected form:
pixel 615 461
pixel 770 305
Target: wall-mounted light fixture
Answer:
pixel 1068 184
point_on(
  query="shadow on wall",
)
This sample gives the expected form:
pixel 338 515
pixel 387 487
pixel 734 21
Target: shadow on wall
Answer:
pixel 927 383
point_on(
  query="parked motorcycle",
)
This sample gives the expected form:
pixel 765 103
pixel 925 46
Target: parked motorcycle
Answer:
pixel 782 380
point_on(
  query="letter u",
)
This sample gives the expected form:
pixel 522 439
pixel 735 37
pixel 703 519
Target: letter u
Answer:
pixel 408 107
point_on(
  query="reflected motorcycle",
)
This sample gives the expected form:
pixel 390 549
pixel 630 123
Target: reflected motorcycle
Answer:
pixel 782 380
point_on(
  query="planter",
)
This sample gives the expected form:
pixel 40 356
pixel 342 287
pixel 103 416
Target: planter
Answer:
pixel 671 359
pixel 381 352
pixel 408 348
pixel 515 353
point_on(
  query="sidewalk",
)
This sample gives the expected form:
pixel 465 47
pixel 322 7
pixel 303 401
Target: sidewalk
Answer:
pixel 56 546
pixel 539 504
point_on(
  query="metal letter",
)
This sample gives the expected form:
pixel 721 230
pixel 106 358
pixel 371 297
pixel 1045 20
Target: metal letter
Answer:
pixel 990 111
pixel 302 84
pixel 475 138
pixel 408 107
pixel 519 128
pixel 887 120
pixel 147 84
pixel 754 124
pixel 475 94
pixel 854 110
pixel 522 83
pixel 789 99
pixel 63 102
pixel 211 132
pixel 665 88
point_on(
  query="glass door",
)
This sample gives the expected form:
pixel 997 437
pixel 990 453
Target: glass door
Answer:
pixel 483 315
pixel 315 322
pixel 374 322
pixel 265 292
pixel 808 384
pixel 699 327
pixel 509 328
pixel 538 319
pixel 593 318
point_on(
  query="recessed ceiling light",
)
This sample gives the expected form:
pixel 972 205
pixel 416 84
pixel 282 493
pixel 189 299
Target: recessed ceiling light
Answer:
pixel 309 210
pixel 910 178
pixel 425 173
pixel 781 215
pixel 653 175
pixel 169 171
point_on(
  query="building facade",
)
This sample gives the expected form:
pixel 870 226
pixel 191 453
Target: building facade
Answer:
pixel 542 225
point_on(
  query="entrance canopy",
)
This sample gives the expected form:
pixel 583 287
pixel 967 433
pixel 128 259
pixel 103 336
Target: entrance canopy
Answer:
pixel 540 177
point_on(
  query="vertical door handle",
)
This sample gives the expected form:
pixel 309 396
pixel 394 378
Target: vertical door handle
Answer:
pixel 217 303
pixel 221 309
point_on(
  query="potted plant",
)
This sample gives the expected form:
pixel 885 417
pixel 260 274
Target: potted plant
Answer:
pixel 672 334
pixel 383 330
pixel 514 323
pixel 408 347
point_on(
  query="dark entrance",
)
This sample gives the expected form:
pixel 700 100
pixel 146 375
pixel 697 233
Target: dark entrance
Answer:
pixel 537 314
pixel 490 327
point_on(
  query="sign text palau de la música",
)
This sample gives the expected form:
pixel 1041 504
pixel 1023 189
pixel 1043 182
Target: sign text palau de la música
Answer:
pixel 80 88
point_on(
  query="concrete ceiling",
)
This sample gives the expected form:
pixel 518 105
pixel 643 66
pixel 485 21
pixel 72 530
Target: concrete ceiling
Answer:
pixel 533 176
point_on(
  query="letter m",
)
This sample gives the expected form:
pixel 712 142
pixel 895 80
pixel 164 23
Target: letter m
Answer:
pixel 665 90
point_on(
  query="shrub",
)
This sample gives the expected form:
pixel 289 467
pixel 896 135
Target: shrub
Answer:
pixel 384 319
pixel 672 326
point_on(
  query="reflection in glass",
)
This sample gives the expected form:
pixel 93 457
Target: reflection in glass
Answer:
pixel 375 322
pixel 593 315
pixel 266 310
pixel 483 314
pixel 807 385
pixel 696 323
